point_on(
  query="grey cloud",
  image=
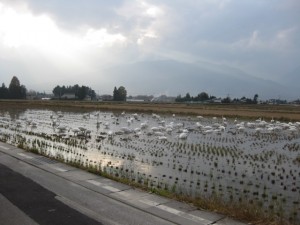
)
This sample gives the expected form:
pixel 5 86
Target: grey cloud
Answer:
pixel 73 13
pixel 217 31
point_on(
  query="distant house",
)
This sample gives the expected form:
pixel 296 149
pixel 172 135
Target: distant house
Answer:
pixel 68 96
pixel 135 100
pixel 37 96
pixel 163 98
pixel 87 98
pixel 216 100
pixel 105 98
pixel 140 98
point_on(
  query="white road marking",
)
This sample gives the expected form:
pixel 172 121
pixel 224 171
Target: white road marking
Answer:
pixel 99 184
pixel 60 169
pixel 25 156
pixel 155 204
pixel 94 182
pixel 196 218
pixel 3 147
pixel 170 210
pixel 148 202
pixel 183 214
pixel 110 188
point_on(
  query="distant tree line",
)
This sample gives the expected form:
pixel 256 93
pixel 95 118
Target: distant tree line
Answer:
pixel 201 97
pixel 254 100
pixel 18 91
pixel 204 97
pixel 79 92
pixel 119 94
pixel 14 91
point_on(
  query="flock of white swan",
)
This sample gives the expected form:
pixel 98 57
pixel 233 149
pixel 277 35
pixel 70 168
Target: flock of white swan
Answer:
pixel 161 127
pixel 166 127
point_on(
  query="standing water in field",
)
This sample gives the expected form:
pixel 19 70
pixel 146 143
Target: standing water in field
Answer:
pixel 237 160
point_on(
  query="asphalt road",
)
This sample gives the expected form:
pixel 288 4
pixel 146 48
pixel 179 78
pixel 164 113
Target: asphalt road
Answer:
pixel 36 190
pixel 37 202
pixel 46 199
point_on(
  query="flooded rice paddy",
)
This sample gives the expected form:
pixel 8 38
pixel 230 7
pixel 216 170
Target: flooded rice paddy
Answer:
pixel 255 161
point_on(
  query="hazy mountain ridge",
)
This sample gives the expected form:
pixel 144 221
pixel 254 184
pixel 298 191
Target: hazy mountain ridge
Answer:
pixel 292 78
pixel 173 78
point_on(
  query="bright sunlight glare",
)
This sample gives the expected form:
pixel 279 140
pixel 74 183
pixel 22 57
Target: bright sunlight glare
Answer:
pixel 21 28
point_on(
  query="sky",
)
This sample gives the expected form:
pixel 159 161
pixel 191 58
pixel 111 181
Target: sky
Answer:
pixel 224 47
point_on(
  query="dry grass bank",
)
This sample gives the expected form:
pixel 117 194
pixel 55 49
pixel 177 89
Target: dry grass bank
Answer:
pixel 277 112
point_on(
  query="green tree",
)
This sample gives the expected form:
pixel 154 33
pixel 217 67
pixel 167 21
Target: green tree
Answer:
pixel 79 92
pixel 92 93
pixel 4 92
pixel 122 93
pixel 119 94
pixel 179 99
pixel 16 91
pixel 116 94
pixel 82 92
pixel 57 91
pixel 187 97
pixel 226 100
pixel 75 89
pixel 85 91
pixel 255 98
pixel 203 96
pixel 23 92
